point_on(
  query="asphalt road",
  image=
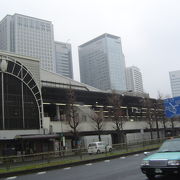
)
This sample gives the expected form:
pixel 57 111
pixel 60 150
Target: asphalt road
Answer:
pixel 124 168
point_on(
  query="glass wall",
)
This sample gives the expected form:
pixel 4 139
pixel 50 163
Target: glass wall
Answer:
pixel 31 113
pixel 1 120
pixel 116 64
pixel 12 103
pixel 20 99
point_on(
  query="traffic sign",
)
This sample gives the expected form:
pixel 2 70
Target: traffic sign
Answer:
pixel 172 107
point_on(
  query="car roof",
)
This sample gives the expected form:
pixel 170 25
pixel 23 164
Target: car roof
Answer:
pixel 97 142
pixel 174 139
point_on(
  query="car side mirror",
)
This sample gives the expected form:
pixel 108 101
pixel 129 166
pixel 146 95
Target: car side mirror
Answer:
pixel 146 153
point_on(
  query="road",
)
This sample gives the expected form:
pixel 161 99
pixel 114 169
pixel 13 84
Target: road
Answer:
pixel 124 168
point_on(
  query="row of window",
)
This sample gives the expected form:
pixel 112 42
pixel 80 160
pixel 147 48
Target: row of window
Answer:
pixel 34 24
pixel 33 34
pixel 37 51
pixel 35 44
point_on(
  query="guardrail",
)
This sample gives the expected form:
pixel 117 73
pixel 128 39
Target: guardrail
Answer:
pixel 73 155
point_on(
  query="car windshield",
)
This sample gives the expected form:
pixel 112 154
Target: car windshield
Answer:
pixel 170 146
pixel 92 145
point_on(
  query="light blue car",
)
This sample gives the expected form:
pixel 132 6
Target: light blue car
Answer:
pixel 165 161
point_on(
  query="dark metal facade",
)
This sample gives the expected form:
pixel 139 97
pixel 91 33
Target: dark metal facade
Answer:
pixel 20 100
pixel 55 94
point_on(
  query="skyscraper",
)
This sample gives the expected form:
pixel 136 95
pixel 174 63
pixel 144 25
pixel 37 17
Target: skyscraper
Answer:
pixel 63 57
pixel 134 79
pixel 175 82
pixel 102 63
pixel 28 36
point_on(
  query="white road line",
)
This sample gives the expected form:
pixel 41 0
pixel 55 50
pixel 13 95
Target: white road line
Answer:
pixel 89 164
pixel 39 173
pixel 136 155
pixel 107 161
pixel 67 168
pixel 122 157
pixel 13 177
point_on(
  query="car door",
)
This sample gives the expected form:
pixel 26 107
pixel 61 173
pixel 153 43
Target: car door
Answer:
pixel 102 147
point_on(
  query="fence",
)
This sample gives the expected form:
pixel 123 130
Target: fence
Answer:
pixel 73 155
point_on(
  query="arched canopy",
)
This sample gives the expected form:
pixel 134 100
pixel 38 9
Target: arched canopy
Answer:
pixel 20 97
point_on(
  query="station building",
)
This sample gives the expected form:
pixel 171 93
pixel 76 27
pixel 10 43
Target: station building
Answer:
pixel 21 105
pixel 33 103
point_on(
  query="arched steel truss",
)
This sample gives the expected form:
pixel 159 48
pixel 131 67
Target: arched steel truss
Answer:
pixel 18 70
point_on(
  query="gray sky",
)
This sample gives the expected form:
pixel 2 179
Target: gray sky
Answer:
pixel 149 30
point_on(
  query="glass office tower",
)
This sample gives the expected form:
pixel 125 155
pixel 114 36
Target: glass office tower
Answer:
pixel 175 82
pixel 102 63
pixel 28 36
pixel 134 79
pixel 63 56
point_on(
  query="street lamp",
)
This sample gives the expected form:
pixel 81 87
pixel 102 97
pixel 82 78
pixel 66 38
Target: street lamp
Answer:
pixel 3 65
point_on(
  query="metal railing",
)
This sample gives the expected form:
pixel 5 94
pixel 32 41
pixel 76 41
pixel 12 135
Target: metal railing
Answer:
pixel 73 155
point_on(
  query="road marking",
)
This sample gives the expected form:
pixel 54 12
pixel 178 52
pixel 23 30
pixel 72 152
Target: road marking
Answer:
pixel 39 173
pixel 107 161
pixel 136 155
pixel 13 177
pixel 122 157
pixel 89 164
pixel 67 168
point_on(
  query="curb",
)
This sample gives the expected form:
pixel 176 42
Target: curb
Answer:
pixel 23 172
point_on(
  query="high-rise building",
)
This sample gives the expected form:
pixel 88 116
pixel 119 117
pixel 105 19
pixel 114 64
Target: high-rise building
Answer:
pixel 134 79
pixel 63 59
pixel 102 63
pixel 28 36
pixel 175 82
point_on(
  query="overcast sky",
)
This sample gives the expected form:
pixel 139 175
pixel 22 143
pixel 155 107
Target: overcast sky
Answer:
pixel 149 30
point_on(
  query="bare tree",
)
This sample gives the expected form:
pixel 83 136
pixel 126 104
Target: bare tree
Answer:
pixel 155 106
pixel 148 105
pixel 173 133
pixel 98 119
pixel 116 115
pixel 72 115
pixel 161 112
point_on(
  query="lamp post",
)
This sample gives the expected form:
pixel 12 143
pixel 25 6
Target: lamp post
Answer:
pixel 3 65
pixel 3 68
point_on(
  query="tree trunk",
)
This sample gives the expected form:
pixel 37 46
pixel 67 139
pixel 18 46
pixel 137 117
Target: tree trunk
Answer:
pixel 118 137
pixel 99 136
pixel 75 139
pixel 172 125
pixel 151 132
pixel 164 126
pixel 157 128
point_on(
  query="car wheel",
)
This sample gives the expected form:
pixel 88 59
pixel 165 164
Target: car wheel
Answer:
pixel 151 176
pixel 98 151
pixel 110 149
